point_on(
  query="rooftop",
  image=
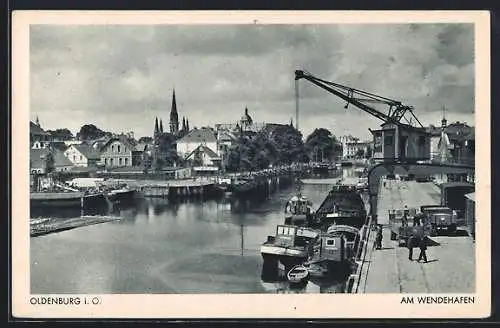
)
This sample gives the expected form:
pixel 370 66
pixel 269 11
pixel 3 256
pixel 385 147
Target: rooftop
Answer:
pixel 199 136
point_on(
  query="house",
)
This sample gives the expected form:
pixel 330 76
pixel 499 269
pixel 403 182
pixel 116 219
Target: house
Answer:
pixel 203 156
pixel 82 155
pixel 352 146
pixel 196 137
pixel 39 161
pixel 225 140
pixel 39 138
pixel 117 152
pixel 140 153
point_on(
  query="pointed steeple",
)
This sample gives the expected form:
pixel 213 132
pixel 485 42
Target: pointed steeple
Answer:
pixel 37 121
pixel 187 125
pixel 291 122
pixel 183 124
pixel 174 116
pixel 157 130
pixel 161 126
pixel 444 123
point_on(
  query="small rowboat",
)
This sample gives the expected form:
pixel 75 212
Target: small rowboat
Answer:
pixel 298 274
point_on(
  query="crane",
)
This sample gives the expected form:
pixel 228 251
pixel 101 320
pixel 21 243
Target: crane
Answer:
pixel 397 111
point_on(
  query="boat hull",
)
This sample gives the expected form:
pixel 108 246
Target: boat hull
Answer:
pixel 276 266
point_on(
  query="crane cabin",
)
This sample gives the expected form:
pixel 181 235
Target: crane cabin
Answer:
pixel 401 142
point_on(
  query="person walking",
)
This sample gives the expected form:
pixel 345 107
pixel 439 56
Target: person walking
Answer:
pixel 423 247
pixel 416 219
pixel 412 241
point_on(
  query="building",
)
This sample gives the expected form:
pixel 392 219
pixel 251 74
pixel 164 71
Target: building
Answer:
pixel 42 159
pixel 141 152
pixel 225 140
pixel 203 156
pixel 401 141
pixel 39 138
pixel 470 213
pixel 462 142
pixel 82 155
pixel 452 143
pixel 353 148
pixel 194 138
pixel 117 152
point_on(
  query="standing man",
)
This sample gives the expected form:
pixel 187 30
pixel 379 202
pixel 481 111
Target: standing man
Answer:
pixel 412 241
pixel 423 247
pixel 378 238
pixel 406 213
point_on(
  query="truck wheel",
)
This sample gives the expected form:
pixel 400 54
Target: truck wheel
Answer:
pixel 393 235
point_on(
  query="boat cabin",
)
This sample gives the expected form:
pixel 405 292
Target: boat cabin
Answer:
pixel 292 236
pixel 331 248
pixel 298 205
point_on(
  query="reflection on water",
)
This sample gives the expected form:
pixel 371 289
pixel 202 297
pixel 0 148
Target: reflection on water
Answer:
pixel 169 247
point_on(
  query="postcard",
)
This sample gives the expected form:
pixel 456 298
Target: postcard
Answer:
pixel 251 164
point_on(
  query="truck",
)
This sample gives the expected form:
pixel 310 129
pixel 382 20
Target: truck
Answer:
pixel 440 218
pixel 453 196
pixel 401 230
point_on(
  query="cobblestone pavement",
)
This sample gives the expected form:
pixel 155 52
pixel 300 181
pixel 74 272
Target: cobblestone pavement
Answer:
pixel 451 266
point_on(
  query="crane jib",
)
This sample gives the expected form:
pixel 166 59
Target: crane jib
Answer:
pixel 397 110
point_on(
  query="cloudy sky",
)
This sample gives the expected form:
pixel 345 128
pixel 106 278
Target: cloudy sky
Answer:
pixel 121 77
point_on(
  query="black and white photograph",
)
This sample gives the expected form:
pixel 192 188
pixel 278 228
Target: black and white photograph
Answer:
pixel 187 157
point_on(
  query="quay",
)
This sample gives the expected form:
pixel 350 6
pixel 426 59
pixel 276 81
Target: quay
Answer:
pixel 451 259
pixel 57 225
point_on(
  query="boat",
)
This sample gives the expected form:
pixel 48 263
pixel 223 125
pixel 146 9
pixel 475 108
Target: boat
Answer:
pixel 290 246
pixel 121 195
pixel 298 210
pixel 298 274
pixel 342 206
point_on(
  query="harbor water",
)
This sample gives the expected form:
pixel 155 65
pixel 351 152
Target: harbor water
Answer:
pixel 162 247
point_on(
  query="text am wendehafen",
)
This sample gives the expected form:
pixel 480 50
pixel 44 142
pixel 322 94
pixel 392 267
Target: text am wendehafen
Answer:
pixel 438 300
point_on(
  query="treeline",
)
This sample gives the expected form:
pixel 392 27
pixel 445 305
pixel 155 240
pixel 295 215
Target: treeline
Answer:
pixel 280 145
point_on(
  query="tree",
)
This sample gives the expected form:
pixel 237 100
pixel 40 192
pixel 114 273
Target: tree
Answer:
pixel 61 134
pixel 321 144
pixel 145 140
pixel 167 149
pixel 91 132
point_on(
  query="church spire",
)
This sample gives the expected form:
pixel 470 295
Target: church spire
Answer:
pixel 444 123
pixel 161 126
pixel 37 121
pixel 157 130
pixel 174 116
pixel 187 125
pixel 183 123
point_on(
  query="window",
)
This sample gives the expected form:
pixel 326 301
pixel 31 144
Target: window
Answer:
pixel 120 159
pixel 126 161
pixel 119 148
pixel 105 161
pixel 80 157
pixel 112 148
pixel 280 230
pixel 330 242
pixel 74 158
pixel 110 162
pixel 388 140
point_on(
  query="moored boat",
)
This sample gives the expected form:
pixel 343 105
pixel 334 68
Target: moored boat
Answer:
pixel 298 210
pixel 290 246
pixel 298 274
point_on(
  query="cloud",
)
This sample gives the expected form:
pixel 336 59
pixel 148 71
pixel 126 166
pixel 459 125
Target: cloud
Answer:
pixel 121 77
